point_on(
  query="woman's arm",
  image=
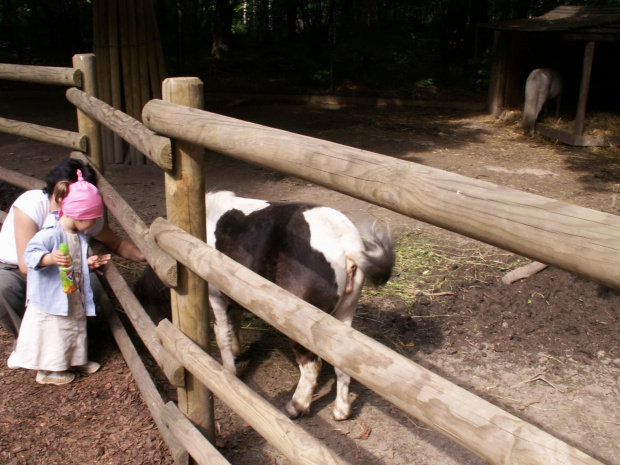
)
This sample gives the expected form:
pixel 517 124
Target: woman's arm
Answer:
pixel 120 246
pixel 25 229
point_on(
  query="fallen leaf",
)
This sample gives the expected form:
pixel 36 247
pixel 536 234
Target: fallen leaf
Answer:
pixel 365 433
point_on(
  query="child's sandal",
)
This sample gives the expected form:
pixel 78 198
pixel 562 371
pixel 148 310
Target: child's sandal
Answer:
pixel 55 377
pixel 89 368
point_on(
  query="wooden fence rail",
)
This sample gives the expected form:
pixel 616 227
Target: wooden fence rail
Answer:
pixel 144 326
pixel 487 430
pixel 69 139
pixel 41 74
pixel 200 449
pixel 20 180
pixel 163 264
pixel 81 75
pixel 147 387
pixel 297 445
pixel 156 148
pixel 576 239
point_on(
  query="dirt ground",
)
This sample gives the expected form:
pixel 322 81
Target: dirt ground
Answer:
pixel 544 349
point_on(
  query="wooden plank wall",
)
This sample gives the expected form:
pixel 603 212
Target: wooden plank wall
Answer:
pixel 130 65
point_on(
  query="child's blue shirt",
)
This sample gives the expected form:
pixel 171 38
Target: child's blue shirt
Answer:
pixel 44 287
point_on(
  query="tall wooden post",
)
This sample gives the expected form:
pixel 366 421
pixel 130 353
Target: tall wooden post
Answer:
pixel 497 80
pixel 115 80
pixel 87 125
pixel 586 72
pixel 185 206
pixel 100 48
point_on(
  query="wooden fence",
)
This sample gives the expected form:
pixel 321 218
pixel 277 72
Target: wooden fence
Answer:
pixel 82 74
pixel 573 238
pixel 576 239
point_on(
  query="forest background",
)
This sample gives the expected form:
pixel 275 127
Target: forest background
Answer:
pixel 322 46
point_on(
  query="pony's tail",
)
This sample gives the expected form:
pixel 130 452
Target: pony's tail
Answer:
pixel 378 254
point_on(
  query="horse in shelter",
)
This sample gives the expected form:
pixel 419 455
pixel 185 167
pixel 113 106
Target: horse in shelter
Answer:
pixel 314 252
pixel 542 85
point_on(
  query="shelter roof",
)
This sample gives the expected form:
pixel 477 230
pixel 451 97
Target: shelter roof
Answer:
pixel 566 19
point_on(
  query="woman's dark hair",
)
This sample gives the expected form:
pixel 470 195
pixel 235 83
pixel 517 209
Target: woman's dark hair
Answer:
pixel 66 170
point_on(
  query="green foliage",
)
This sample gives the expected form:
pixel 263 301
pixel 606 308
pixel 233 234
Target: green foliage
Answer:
pixel 479 70
pixel 428 82
pixel 239 29
pixel 321 75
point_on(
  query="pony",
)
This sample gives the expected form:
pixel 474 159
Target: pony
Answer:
pixel 542 85
pixel 312 251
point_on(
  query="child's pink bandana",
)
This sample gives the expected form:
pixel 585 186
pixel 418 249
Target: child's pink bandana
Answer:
pixel 83 201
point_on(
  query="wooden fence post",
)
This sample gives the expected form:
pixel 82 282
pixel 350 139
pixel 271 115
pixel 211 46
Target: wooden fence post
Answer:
pixel 86 124
pixel 497 79
pixel 185 207
pixel 586 73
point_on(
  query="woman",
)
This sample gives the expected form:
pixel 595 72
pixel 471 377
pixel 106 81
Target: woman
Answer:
pixel 26 217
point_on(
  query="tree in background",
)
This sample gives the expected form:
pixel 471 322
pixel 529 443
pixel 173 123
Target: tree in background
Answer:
pixel 326 43
pixel 44 32
pixel 222 27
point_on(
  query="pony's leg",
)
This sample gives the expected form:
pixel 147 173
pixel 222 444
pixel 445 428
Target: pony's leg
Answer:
pixel 235 314
pixel 345 312
pixel 540 104
pixel 342 407
pixel 309 367
pixel 222 328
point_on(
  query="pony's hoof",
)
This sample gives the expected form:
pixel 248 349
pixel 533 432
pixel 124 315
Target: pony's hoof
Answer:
pixel 295 411
pixel 341 414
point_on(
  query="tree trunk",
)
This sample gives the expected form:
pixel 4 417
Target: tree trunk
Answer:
pixel 291 18
pixel 222 28
pixel 11 31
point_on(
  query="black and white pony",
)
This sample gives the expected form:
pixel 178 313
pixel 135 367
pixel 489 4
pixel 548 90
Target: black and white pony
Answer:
pixel 542 85
pixel 314 252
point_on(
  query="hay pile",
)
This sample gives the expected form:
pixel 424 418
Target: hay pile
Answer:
pixel 596 124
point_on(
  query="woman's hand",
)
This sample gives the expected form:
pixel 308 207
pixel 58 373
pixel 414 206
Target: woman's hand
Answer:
pixel 127 250
pixel 121 247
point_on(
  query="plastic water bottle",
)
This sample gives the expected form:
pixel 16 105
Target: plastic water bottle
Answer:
pixel 66 272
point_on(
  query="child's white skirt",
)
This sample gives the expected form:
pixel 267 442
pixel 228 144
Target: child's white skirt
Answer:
pixel 52 342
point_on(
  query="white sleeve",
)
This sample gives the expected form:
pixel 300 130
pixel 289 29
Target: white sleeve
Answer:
pixel 35 204
pixel 96 229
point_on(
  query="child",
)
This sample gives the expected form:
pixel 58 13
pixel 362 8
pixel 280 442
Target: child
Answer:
pixel 53 333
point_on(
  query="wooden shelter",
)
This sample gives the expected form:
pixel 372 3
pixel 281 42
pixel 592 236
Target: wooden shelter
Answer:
pixel 565 38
